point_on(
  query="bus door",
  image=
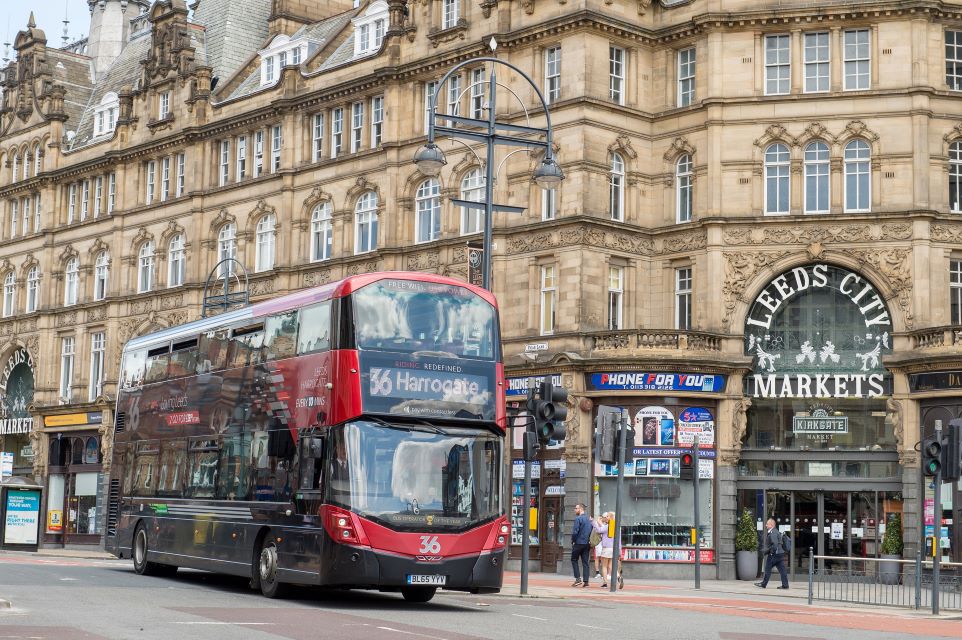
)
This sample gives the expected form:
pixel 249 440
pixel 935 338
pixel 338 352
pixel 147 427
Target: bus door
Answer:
pixel 310 454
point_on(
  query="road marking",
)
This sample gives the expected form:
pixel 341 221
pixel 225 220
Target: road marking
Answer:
pixel 246 624
pixel 410 633
pixel 588 626
pixel 529 617
pixel 68 579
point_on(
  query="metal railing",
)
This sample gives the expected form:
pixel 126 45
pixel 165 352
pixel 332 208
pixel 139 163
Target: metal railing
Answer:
pixel 877 581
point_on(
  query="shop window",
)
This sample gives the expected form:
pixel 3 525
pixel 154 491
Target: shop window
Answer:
pixel 59 448
pixel 91 451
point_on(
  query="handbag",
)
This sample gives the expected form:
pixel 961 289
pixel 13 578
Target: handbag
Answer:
pixel 594 539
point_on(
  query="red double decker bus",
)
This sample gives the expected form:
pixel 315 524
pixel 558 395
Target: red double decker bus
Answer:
pixel 349 435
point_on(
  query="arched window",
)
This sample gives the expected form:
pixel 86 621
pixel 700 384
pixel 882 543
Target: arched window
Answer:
pixel 101 275
pixel 37 160
pixel 16 166
pixel 33 289
pixel 322 232
pixel 26 163
pixel 226 248
pixel 176 262
pixel 9 294
pixel 145 267
pixel 683 188
pixel 955 177
pixel 857 176
pixel 71 283
pixel 427 217
pixel 264 251
pixel 816 178
pixel 616 188
pixel 365 223
pixel 472 189
pixel 777 160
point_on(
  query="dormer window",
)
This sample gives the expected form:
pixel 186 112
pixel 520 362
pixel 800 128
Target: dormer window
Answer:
pixel 280 53
pixel 105 115
pixel 369 29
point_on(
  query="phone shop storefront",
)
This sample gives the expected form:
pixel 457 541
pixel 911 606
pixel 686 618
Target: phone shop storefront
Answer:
pixel 819 453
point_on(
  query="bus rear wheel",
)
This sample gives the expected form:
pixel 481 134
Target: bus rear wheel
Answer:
pixel 418 594
pixel 270 585
pixel 141 565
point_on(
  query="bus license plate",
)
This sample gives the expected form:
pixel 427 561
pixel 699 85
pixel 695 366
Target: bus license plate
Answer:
pixel 431 580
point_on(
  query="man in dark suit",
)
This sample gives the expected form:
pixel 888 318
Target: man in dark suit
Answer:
pixel 774 552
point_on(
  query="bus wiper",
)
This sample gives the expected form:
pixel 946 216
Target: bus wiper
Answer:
pixel 435 354
pixel 392 425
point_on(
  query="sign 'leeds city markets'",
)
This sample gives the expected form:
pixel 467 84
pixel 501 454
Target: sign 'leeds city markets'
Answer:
pixel 818 331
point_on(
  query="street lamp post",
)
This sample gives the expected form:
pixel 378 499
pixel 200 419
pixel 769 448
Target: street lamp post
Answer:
pixel 430 159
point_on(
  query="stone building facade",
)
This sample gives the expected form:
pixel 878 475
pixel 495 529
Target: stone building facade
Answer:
pixel 744 181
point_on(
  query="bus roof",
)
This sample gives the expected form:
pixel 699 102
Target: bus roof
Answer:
pixel 296 300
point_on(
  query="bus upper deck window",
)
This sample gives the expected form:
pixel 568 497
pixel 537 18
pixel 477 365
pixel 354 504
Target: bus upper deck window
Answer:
pixel 212 351
pixel 158 360
pixel 183 360
pixel 133 369
pixel 280 334
pixel 314 328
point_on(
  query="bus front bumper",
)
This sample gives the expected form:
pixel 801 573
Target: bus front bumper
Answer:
pixel 361 568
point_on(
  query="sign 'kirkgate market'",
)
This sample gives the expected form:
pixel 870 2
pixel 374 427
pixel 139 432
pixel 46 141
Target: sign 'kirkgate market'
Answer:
pixel 16 393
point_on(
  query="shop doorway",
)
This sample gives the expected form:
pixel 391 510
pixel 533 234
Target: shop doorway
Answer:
pixel 74 513
pixel 838 524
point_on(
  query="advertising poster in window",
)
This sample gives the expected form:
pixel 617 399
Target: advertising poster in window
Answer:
pixel 696 420
pixel 656 426
pixel 22 517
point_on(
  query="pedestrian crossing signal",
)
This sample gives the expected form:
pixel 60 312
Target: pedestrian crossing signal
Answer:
pixel 687 464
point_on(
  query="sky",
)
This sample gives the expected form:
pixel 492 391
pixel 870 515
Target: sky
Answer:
pixel 49 14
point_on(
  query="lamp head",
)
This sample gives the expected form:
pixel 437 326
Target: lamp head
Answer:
pixel 429 159
pixel 548 175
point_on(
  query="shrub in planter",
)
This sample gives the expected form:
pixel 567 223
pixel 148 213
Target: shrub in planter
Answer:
pixel 891 550
pixel 746 547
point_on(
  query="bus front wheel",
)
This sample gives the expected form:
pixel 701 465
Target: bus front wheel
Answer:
pixel 270 585
pixel 418 594
pixel 141 565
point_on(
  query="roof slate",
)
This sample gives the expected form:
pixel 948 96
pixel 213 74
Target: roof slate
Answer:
pixel 235 29
pixel 320 33
pixel 73 71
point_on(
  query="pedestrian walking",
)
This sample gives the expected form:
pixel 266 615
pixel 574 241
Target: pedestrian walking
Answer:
pixel 580 533
pixel 774 550
pixel 604 526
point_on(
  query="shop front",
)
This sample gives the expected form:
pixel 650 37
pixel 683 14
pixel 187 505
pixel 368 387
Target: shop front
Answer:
pixel 666 410
pixel 819 453
pixel 75 505
pixel 16 423
pixel 547 500
pixel 939 400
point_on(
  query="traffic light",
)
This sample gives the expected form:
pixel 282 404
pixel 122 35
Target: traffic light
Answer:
pixel 531 445
pixel 549 414
pixel 686 461
pixel 606 438
pixel 932 455
pixel 952 457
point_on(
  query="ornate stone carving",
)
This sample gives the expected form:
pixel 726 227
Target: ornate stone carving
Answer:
pixel 896 266
pixel 175 318
pixel 314 278
pixel 66 319
pixel 684 242
pixel 582 234
pixel 893 415
pixel 801 234
pixel 362 267
pixel 740 408
pixel 423 261
pixel 262 287
pixel 97 314
pixel 33 344
pixel 740 268
pixel 679 146
pixel 142 236
pixel 28 325
pixel 172 301
pixel 141 306
pixel 223 217
pixel 946 233
pixel 858 129
pixel 623 146
pixel 775 132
